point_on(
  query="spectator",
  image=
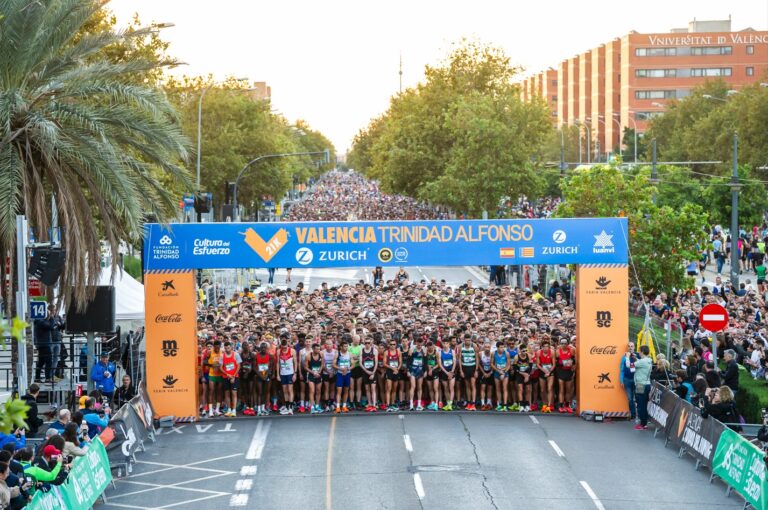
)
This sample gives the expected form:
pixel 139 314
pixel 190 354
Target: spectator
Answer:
pixel 643 386
pixel 18 438
pixel 125 392
pixel 103 375
pixel 722 408
pixel 15 471
pixel 60 424
pixel 6 493
pixel 72 443
pixel 627 377
pixel 684 388
pixel 53 463
pixel 43 329
pixel 96 422
pixel 731 374
pixel 57 345
pixel 33 420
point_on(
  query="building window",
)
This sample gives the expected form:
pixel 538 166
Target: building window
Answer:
pixel 554 98
pixel 711 71
pixel 750 71
pixel 711 50
pixel 655 94
pixel 655 52
pixel 554 83
pixel 750 50
pixel 647 115
pixel 655 73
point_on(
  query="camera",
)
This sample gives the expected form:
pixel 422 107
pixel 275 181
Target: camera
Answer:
pixel 70 458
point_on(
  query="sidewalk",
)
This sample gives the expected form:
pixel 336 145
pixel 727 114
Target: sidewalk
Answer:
pixel 747 277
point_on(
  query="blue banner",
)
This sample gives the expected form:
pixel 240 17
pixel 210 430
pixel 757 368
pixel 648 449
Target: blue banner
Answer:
pixel 385 243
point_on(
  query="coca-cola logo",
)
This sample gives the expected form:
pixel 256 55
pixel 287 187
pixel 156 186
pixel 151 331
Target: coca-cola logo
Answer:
pixel 167 318
pixel 603 349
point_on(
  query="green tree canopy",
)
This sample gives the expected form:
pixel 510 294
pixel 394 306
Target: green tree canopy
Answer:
pixel 463 138
pixel 75 124
pixel 661 237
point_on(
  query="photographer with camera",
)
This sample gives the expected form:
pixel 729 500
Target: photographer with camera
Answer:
pixel 40 477
pixel 719 404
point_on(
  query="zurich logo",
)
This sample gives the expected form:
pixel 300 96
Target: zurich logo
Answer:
pixel 304 256
pixel 165 240
pixel 559 236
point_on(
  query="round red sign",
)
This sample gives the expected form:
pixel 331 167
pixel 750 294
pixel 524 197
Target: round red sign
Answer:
pixel 713 317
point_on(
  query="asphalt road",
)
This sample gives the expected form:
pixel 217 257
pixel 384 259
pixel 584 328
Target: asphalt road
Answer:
pixel 414 461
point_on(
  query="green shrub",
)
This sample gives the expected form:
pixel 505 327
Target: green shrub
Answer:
pixel 132 266
pixel 752 397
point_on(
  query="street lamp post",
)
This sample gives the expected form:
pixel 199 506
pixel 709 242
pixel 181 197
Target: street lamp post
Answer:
pixel 562 152
pixel 326 152
pixel 735 186
pixel 618 124
pixel 634 128
pixel 589 140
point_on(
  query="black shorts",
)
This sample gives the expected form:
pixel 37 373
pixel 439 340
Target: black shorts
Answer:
pixel 443 376
pixel 226 385
pixel 392 376
pixel 563 375
pixel 329 377
pixel 417 374
pixel 428 377
pixel 314 379
pixel 368 380
pixel 486 381
pixel 468 372
pixel 519 379
pixel 357 372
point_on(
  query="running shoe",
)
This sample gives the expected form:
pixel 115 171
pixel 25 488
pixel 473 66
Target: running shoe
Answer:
pixel 410 408
pixel 344 409
pixel 337 410
pixel 638 427
pixel 432 407
pixel 382 407
pixel 534 407
pixel 301 409
pixel 561 409
pixel 527 409
pixel 569 410
pixel 216 412
pixel 283 410
pixel 499 407
pixel 514 408
pixel 419 408
pixel 439 405
pixel 290 410
pixel 203 415
pixel 448 407
pixel 505 408
pixel 274 408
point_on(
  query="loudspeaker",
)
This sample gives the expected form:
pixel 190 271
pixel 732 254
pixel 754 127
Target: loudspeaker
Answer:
pixel 46 265
pixel 98 316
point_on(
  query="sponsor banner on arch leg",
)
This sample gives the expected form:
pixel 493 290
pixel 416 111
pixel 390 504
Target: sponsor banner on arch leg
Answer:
pixel 171 342
pixel 602 330
pixel 396 243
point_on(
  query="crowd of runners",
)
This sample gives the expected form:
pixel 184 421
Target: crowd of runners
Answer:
pixel 348 196
pixel 400 346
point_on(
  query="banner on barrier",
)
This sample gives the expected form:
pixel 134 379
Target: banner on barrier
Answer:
pixel 393 243
pixel 129 431
pixel 143 406
pixel 87 480
pixel 662 406
pixel 741 465
pixel 698 435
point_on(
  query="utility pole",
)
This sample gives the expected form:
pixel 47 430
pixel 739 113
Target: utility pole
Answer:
pixel 735 187
pixel 562 153
pixel 654 175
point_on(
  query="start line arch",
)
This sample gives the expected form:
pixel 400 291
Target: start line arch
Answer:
pixel 598 245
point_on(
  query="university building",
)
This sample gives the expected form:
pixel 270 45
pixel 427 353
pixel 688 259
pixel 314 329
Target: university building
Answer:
pixel 628 80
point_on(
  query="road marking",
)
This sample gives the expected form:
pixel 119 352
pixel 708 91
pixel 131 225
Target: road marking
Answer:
pixel 419 486
pixel 592 495
pixel 248 471
pixel 259 440
pixel 408 444
pixel 203 428
pixel 227 428
pixel 243 485
pixel 238 500
pixel 402 417
pixel 175 429
pixel 533 419
pixel 713 317
pixel 557 449
pixel 329 466
pixel 176 486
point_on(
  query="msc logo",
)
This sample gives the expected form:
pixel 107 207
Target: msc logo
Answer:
pixel 603 243
pixel 304 256
pixel 602 283
pixel 603 319
pixel 559 236
pixel 385 254
pixel 170 348
pixel 168 285
pixel 165 240
pixel 169 381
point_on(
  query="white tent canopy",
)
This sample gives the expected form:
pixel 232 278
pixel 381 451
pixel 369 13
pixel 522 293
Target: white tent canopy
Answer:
pixel 129 295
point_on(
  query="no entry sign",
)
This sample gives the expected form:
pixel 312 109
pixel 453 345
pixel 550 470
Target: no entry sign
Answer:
pixel 713 317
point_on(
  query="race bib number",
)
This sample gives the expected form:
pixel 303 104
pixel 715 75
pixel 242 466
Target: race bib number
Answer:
pixel 343 363
pixel 229 367
pixel 263 367
pixel 368 364
pixel 417 363
pixel 567 363
pixel 546 367
pixel 393 364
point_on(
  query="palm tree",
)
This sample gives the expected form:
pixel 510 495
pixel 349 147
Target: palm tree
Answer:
pixel 78 126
